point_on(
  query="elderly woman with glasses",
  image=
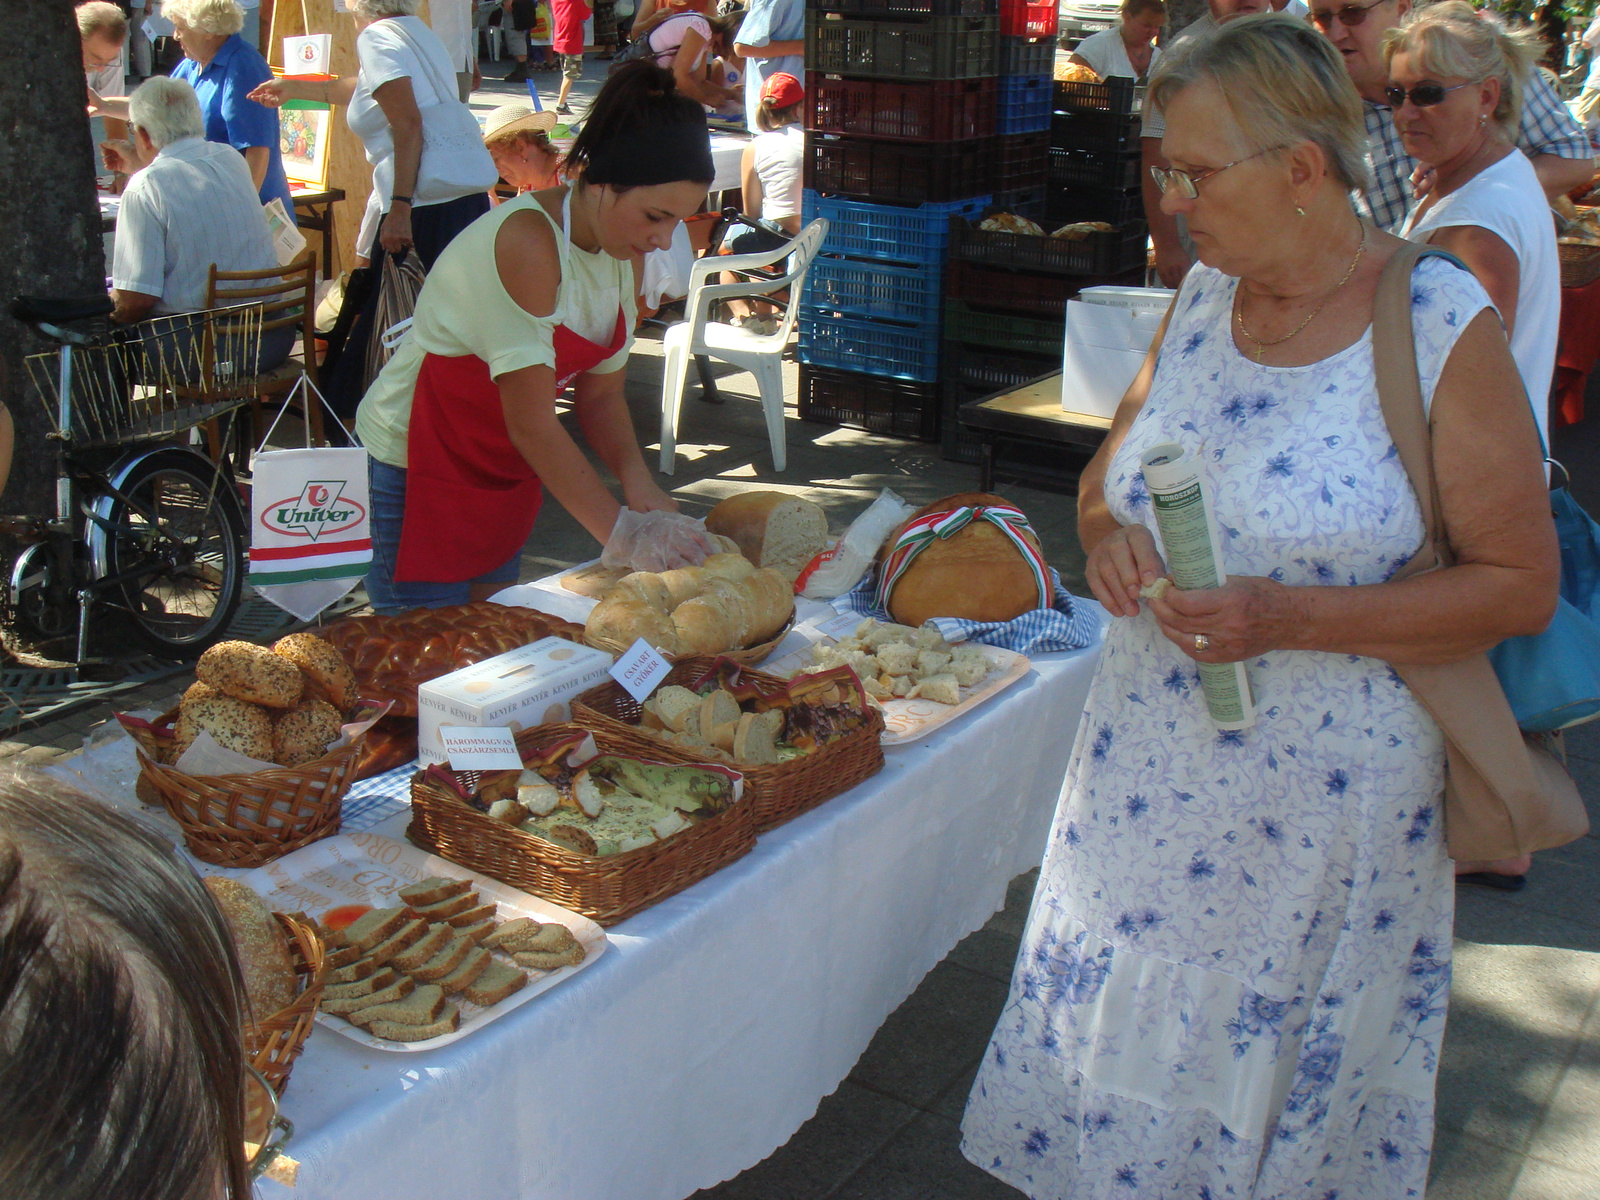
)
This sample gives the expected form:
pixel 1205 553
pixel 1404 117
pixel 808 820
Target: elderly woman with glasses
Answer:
pixel 1234 976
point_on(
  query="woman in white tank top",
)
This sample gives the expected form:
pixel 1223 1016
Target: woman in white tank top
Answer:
pixel 770 176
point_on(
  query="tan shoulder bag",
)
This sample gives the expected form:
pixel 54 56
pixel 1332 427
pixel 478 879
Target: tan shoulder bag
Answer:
pixel 1505 793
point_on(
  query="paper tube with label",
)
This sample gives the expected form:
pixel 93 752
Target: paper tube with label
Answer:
pixel 1194 556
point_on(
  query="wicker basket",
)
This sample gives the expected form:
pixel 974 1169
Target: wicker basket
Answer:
pixel 246 820
pixel 782 791
pixel 748 657
pixel 274 1042
pixel 1580 262
pixel 608 889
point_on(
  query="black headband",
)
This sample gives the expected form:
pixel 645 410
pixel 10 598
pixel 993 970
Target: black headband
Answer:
pixel 652 154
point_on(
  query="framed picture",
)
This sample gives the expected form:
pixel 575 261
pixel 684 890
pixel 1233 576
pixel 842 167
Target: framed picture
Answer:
pixel 303 140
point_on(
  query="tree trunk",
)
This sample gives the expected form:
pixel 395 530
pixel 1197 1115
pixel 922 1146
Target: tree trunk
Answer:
pixel 50 241
pixel 1180 15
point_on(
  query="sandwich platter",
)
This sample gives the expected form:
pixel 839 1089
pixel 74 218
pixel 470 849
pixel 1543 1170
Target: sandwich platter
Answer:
pixel 907 721
pixel 338 878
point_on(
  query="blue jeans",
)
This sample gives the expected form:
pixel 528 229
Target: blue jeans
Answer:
pixel 388 597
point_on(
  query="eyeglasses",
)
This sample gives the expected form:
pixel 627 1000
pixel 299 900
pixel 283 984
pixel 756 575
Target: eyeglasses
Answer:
pixel 1188 182
pixel 276 1129
pixel 1349 16
pixel 1424 95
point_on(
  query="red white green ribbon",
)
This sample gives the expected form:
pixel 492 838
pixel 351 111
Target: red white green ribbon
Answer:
pixel 923 532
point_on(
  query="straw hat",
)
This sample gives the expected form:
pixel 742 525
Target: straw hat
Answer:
pixel 514 118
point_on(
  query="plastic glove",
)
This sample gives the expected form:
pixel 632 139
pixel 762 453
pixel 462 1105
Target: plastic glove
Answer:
pixel 657 541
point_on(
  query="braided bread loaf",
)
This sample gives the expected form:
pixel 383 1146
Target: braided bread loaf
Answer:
pixel 724 604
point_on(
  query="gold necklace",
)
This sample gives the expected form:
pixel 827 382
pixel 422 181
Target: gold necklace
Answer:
pixel 1261 345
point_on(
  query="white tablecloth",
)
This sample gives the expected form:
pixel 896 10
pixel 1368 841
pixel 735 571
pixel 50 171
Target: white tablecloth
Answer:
pixel 722 1016
pixel 726 151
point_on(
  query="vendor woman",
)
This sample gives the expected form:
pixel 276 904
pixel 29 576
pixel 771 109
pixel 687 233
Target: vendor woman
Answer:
pixel 461 423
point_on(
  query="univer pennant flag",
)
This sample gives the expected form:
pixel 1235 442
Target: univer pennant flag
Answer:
pixel 310 527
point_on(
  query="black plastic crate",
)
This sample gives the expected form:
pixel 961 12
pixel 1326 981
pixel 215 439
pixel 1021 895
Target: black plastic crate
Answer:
pixel 1025 202
pixel 936 48
pixel 948 110
pixel 906 10
pixel 1094 131
pixel 886 406
pixel 1027 56
pixel 974 375
pixel 912 172
pixel 1030 293
pixel 1108 253
pixel 1095 169
pixel 1043 337
pixel 1118 95
pixel 1115 206
pixel 1021 160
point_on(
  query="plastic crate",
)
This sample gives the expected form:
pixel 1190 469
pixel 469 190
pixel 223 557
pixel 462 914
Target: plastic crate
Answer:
pixel 1115 206
pixel 950 110
pixel 1094 131
pixel 1108 253
pixel 1043 336
pixel 1027 56
pixel 1021 160
pixel 1023 105
pixel 877 290
pixel 1020 18
pixel 1025 202
pixel 886 406
pixel 861 229
pixel 905 10
pixel 1093 168
pixel 834 339
pixel 938 48
pixel 907 171
pixel 1118 95
pixel 971 374
pixel 1036 295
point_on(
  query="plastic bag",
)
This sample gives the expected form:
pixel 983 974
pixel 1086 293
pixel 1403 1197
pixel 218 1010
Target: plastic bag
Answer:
pixel 839 568
pixel 657 541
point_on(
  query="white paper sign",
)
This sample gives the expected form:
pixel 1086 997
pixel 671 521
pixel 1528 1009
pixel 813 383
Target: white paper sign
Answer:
pixel 840 627
pixel 641 670
pixel 471 748
pixel 307 55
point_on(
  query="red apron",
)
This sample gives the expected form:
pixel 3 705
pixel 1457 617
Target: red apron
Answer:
pixel 568 17
pixel 471 498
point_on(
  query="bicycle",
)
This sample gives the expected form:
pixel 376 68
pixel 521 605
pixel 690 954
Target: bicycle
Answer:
pixel 144 524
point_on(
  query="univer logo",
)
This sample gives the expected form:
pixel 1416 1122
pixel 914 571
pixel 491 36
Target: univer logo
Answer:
pixel 320 508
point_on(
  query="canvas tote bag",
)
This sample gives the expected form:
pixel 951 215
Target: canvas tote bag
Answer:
pixel 454 160
pixel 1505 794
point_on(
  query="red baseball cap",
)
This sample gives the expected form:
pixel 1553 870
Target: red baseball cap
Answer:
pixel 783 89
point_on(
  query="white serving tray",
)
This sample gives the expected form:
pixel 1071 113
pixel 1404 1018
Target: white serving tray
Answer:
pixel 368 868
pixel 907 720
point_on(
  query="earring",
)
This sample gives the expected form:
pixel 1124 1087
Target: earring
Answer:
pixel 1300 210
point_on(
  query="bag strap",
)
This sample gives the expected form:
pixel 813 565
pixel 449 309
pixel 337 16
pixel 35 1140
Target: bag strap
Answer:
pixel 429 67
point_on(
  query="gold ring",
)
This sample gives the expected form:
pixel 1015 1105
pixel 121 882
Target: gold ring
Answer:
pixel 1201 643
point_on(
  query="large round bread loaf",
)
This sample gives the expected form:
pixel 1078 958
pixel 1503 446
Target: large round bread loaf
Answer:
pixel 976 573
pixel 724 604
pixel 772 529
pixel 269 978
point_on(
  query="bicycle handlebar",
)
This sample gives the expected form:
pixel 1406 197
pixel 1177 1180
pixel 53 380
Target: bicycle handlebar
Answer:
pixel 47 314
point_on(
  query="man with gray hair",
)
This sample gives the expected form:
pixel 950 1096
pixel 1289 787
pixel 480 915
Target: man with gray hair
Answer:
pixel 190 204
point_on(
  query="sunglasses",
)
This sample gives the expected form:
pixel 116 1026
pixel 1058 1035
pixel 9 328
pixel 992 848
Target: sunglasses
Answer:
pixel 1424 95
pixel 1349 16
pixel 1187 183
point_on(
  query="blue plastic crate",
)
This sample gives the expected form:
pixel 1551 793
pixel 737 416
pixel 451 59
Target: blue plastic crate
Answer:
pixel 1025 104
pixel 830 339
pixel 883 291
pixel 861 229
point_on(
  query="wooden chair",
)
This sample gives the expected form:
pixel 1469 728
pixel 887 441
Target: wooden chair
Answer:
pixel 288 299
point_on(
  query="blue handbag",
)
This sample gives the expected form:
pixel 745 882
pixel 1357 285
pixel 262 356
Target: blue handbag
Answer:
pixel 1552 679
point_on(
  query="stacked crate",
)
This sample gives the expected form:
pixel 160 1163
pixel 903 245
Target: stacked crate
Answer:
pixel 901 107
pixel 1022 124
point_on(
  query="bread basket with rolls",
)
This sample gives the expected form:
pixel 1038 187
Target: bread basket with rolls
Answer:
pixel 724 606
pixel 606 888
pixel 841 728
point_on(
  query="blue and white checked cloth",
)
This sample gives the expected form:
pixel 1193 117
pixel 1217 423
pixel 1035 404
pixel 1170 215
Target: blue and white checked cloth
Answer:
pixel 1068 624
pixel 372 801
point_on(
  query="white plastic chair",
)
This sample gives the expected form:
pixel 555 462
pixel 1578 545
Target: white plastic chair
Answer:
pixel 759 353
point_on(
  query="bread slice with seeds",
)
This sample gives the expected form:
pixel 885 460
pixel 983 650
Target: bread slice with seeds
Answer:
pixel 346 1005
pixel 448 1022
pixel 421 1007
pixel 496 983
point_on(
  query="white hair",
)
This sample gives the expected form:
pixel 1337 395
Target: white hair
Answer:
pixel 373 10
pixel 218 17
pixel 167 110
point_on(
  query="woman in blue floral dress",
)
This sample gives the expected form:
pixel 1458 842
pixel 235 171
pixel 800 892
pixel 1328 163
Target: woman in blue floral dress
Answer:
pixel 1234 977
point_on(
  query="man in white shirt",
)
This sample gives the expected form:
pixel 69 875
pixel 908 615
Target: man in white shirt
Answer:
pixel 190 204
pixel 453 21
pixel 102 33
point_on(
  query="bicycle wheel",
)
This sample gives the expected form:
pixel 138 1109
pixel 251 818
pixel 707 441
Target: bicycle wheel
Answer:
pixel 176 549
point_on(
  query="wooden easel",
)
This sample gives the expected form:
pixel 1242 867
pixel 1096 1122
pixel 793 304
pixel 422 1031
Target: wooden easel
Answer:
pixel 347 161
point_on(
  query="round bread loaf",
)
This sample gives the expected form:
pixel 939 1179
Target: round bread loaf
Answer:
pixel 976 573
pixel 269 978
pixel 324 667
pixel 623 619
pixel 724 604
pixel 246 671
pixel 772 529
pixel 199 691
pixel 302 734
pixel 236 725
